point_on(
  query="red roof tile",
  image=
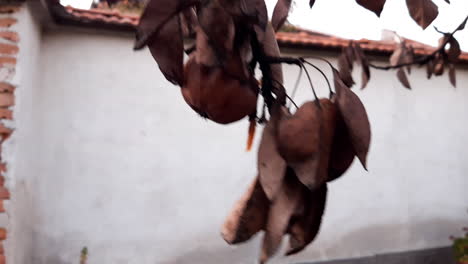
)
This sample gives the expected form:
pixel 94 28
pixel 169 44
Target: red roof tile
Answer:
pixel 301 38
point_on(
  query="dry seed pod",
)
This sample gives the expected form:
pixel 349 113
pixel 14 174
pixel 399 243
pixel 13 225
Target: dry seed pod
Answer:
pixel 216 95
pixel 248 215
pixel 271 166
pixel 281 210
pixel 306 226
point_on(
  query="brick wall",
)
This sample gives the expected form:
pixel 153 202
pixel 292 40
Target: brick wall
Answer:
pixel 8 52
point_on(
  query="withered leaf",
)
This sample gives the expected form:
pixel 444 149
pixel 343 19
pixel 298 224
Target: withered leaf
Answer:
pixel 248 216
pixel 422 11
pixel 429 69
pixel 350 55
pixel 219 28
pixel 280 13
pixel 403 78
pixel 439 64
pixel 167 49
pixel 270 48
pixel 375 6
pixel 299 139
pixel 281 210
pixel 345 70
pixel 362 60
pixel 156 14
pixel 311 3
pixel 305 227
pixel 454 50
pixel 365 73
pixel 462 25
pixel 355 117
pixel 452 75
pixel 342 151
pixel 204 53
pixel 271 166
pixel 189 22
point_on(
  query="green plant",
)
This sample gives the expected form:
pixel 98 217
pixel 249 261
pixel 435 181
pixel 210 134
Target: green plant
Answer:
pixel 84 255
pixel 460 247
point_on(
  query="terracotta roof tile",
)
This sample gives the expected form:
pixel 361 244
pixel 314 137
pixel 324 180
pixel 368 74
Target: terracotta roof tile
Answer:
pixel 301 38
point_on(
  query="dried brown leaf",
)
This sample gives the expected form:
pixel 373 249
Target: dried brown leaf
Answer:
pixel 422 11
pixel 305 227
pixel 280 13
pixel 248 216
pixel 355 117
pixel 462 25
pixel 219 28
pixel 311 3
pixel 454 51
pixel 365 74
pixel 429 69
pixel 375 6
pixel 271 166
pixel 298 142
pixel 350 55
pixel 452 75
pixel 439 64
pixel 281 210
pixel 156 14
pixel 167 49
pixel 403 78
pixel 344 68
pixel 342 151
pixel 189 22
pixel 362 60
pixel 270 47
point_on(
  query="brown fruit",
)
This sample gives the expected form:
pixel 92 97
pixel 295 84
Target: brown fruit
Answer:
pixel 216 95
pixel 248 216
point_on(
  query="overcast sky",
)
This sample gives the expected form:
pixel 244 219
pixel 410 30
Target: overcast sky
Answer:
pixel 345 18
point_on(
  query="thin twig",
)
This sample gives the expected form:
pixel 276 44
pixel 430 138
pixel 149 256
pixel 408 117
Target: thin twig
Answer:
pixel 286 94
pixel 424 59
pixel 296 85
pixel 323 74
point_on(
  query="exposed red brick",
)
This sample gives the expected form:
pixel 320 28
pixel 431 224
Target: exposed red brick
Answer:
pixel 6 114
pixel 7 22
pixel 8 49
pixel 2 180
pixel 6 87
pixel 7 60
pixel 2 259
pixel 6 99
pixel 2 167
pixel 3 234
pixel 2 210
pixel 9 35
pixel 5 195
pixel 2 250
pixel 4 130
pixel 8 9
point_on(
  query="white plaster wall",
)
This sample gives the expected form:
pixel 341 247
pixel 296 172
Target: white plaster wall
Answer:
pixel 19 151
pixel 124 167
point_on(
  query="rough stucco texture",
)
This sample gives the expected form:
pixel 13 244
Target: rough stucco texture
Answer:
pixel 128 170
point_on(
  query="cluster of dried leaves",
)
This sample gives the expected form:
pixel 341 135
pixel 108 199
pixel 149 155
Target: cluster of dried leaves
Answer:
pixel 298 155
pixel 299 152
